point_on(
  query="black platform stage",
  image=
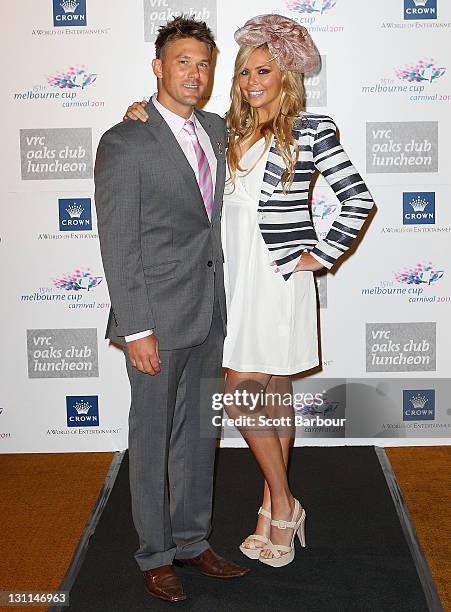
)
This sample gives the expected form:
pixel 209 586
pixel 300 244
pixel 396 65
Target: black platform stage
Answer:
pixel 360 555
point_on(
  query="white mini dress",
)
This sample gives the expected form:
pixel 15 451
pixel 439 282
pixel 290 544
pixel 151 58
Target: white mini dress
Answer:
pixel 271 322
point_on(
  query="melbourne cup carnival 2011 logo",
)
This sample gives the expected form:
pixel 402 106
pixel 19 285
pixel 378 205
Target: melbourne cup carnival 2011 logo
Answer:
pixel 422 273
pixel 74 291
pixel 323 213
pixel 327 407
pixel 425 70
pixel 321 208
pixel 311 6
pixel 81 279
pixel 415 284
pixel 67 87
pixel 75 76
pixel 414 80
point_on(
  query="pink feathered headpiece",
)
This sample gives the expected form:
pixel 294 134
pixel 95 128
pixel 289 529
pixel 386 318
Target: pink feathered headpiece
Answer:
pixel 289 43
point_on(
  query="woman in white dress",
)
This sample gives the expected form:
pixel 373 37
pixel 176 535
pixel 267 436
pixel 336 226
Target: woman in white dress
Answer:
pixel 271 251
pixel 272 328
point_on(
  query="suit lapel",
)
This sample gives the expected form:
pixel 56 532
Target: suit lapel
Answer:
pixel 274 170
pixel 163 133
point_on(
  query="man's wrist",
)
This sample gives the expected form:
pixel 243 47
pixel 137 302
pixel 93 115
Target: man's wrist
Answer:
pixel 139 335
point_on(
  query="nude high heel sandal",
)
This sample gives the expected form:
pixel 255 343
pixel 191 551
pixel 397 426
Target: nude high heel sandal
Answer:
pixel 253 551
pixel 283 555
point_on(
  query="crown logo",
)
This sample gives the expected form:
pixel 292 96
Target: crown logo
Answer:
pixel 418 204
pixel 420 2
pixel 418 401
pixel 69 6
pixel 75 211
pixel 82 407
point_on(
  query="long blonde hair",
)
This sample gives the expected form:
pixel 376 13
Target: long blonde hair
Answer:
pixel 242 119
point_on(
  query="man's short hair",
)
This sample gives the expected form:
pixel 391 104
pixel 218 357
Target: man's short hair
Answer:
pixel 183 26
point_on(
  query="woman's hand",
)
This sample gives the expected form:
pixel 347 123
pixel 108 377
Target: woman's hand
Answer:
pixel 136 111
pixel 308 263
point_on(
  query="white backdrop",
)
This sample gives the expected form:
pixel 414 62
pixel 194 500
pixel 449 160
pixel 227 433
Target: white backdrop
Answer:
pixel 73 66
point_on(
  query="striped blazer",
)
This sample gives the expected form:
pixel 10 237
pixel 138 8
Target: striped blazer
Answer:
pixel 284 219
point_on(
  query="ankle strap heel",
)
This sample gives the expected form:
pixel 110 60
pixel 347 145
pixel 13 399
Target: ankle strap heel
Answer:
pixel 283 555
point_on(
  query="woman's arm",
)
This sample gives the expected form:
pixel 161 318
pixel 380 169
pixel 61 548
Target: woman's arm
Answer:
pixel 356 202
pixel 136 111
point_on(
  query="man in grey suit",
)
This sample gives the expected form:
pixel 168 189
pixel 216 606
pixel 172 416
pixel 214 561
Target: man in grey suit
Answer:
pixel 159 188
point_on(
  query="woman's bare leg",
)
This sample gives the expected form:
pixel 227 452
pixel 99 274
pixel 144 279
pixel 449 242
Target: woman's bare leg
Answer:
pixel 266 446
pixel 279 392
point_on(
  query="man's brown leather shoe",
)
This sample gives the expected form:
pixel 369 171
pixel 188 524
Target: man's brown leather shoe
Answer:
pixel 163 582
pixel 211 564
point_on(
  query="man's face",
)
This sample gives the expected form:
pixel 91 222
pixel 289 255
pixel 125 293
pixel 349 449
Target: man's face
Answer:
pixel 183 73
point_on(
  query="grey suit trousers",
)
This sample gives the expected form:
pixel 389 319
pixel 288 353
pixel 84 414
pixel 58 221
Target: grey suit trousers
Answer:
pixel 172 444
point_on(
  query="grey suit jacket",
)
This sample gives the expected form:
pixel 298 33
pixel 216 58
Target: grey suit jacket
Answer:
pixel 161 254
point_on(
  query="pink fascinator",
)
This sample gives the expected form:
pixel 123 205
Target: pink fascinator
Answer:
pixel 289 43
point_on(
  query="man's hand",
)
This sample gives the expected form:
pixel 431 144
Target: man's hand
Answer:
pixel 136 111
pixel 144 355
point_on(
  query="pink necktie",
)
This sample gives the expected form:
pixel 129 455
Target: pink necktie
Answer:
pixel 205 181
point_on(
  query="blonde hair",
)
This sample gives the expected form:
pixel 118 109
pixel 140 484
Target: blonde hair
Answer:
pixel 242 119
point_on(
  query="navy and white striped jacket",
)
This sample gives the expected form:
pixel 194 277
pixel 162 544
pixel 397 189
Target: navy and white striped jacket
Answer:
pixel 284 219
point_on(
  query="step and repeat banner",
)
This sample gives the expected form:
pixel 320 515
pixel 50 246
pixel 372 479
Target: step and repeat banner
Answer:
pixel 71 69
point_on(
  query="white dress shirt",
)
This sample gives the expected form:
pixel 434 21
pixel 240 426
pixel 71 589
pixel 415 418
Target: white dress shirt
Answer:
pixel 176 123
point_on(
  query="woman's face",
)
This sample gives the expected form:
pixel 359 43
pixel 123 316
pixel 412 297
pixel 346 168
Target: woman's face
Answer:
pixel 261 83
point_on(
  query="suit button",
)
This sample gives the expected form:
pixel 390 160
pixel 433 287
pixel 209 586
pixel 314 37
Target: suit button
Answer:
pixel 209 263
